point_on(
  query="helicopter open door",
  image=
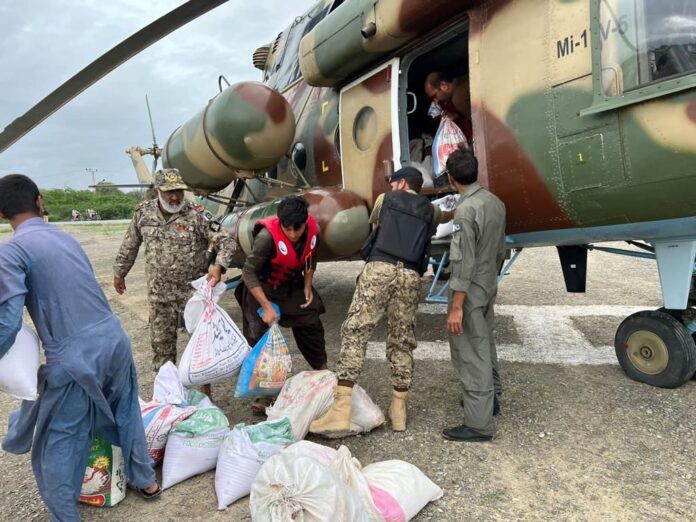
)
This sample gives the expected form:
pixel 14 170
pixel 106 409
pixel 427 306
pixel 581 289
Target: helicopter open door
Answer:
pixel 369 131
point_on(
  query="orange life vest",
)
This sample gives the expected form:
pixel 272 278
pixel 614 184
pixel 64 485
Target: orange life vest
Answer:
pixel 285 265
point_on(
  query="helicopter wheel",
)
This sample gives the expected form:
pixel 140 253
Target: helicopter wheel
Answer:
pixel 655 348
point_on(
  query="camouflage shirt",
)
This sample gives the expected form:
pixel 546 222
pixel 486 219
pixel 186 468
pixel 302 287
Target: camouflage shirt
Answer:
pixel 175 248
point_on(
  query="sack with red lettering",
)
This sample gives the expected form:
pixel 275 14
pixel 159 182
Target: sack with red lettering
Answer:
pixel 158 420
pixel 216 349
pixel 448 138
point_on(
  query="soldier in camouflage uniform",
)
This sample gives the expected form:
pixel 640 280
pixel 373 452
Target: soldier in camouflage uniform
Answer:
pixel 176 234
pixel 390 281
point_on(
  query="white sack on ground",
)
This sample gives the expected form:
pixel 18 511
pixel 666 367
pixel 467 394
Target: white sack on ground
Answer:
pixel 242 454
pixel 399 489
pixel 168 388
pixel 193 445
pixel 20 366
pixel 291 487
pixel 348 469
pixel 309 395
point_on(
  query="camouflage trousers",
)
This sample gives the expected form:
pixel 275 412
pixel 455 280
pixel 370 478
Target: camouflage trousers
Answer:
pixel 165 320
pixel 381 288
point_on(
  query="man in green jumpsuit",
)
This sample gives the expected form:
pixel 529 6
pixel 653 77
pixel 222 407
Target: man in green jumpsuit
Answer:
pixel 476 254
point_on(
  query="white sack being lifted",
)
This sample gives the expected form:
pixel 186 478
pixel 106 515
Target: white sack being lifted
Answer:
pixel 196 305
pixel 216 349
pixel 20 366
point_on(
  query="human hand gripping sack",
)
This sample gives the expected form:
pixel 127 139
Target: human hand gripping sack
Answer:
pixel 214 274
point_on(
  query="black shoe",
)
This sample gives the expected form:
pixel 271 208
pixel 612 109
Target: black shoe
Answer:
pixel 465 434
pixel 496 405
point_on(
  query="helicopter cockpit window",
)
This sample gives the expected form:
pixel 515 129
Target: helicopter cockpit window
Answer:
pixel 645 42
pixel 288 70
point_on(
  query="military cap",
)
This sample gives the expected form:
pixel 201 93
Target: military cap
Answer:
pixel 404 173
pixel 169 179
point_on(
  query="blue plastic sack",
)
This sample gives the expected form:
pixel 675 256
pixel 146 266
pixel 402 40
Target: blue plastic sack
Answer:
pixel 267 367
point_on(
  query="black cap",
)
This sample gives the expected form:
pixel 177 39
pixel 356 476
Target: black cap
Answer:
pixel 404 173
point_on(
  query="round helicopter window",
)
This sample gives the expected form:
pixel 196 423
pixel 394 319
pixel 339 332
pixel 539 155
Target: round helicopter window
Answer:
pixel 365 128
pixel 299 156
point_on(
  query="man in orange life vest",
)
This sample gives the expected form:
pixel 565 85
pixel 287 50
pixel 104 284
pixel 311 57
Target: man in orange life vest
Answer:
pixel 280 269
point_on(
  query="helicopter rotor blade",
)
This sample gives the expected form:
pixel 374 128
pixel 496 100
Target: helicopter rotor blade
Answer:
pixel 155 148
pixel 103 65
pixel 152 127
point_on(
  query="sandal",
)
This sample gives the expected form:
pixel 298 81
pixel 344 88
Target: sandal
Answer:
pixel 150 496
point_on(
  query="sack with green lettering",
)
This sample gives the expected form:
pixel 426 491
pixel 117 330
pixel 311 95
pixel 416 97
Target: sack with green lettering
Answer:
pixel 193 445
pixel 104 483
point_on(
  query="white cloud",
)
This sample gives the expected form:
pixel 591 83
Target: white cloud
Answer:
pixel 50 40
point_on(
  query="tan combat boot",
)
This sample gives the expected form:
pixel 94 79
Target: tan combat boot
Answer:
pixel 397 410
pixel 336 422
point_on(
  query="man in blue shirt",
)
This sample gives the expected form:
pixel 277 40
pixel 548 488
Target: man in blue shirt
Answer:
pixel 88 385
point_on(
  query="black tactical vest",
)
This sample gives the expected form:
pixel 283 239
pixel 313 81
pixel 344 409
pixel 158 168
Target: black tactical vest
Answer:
pixel 405 229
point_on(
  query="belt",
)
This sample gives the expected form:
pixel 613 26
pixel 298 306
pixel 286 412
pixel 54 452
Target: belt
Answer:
pixel 395 262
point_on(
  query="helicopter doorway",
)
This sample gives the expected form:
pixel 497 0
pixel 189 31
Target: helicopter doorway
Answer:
pixel 421 117
pixel 369 123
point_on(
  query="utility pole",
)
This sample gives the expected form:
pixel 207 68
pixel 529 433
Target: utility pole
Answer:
pixel 93 172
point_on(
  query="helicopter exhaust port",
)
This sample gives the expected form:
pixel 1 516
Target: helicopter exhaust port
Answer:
pixel 246 127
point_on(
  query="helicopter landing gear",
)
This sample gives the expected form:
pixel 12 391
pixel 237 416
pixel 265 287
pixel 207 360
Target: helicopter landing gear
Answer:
pixel 654 347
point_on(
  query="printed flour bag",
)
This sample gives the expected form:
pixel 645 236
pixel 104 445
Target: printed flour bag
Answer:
pixel 266 368
pixel 158 420
pixel 20 366
pixel 104 483
pixel 193 446
pixel 216 348
pixel 448 138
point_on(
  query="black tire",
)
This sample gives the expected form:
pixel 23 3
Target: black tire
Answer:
pixel 655 348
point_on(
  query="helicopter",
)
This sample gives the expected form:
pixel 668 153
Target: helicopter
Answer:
pixel 582 114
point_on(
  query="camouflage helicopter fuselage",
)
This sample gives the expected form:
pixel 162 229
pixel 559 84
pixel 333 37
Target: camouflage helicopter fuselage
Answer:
pixel 584 123
pixel 570 129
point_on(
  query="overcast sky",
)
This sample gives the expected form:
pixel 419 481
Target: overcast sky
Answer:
pixel 45 42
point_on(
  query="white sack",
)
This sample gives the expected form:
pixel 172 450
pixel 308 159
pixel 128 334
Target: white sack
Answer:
pixel 186 457
pixel 215 351
pixel 158 421
pixel 196 305
pixel 447 203
pixel 400 490
pixel 308 395
pixel 290 487
pixel 348 469
pixel 168 388
pixel 20 366
pixel 239 461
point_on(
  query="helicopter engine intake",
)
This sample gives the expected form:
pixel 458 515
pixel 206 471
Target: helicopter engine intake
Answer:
pixel 247 127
